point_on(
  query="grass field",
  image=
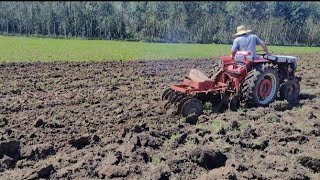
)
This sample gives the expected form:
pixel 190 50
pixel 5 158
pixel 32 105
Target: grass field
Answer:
pixel 26 49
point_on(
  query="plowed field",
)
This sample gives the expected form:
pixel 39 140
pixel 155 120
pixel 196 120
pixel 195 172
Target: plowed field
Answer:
pixel 104 120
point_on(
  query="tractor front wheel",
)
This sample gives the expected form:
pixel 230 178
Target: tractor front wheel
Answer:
pixel 290 89
pixel 261 86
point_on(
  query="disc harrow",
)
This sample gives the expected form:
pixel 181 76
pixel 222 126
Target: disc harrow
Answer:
pixel 183 104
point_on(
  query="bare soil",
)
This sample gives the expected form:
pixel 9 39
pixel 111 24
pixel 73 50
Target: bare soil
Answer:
pixel 103 120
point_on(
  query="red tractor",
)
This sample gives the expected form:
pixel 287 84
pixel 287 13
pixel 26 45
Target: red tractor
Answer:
pixel 234 83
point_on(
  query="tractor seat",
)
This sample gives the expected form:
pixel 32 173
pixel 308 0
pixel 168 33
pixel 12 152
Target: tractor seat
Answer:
pixel 281 58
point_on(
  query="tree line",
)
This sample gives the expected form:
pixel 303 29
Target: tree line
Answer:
pixel 277 23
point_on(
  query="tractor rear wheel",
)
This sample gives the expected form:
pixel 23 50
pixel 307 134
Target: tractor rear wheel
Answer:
pixel 290 89
pixel 261 86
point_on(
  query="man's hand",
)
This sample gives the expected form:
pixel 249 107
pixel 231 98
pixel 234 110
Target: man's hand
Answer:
pixel 233 53
pixel 264 47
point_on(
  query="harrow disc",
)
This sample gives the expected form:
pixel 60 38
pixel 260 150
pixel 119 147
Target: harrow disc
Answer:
pixel 178 99
pixel 166 93
pixel 176 103
pixel 181 103
pixel 170 100
pixel 174 97
pixel 192 107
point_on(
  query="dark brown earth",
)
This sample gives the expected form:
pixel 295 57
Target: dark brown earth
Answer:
pixel 104 120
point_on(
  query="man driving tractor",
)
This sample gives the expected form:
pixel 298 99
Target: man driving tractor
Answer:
pixel 247 41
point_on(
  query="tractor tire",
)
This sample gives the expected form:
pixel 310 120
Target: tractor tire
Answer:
pixel 261 86
pixel 290 89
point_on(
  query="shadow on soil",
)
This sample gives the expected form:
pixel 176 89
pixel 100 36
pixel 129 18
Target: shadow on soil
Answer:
pixel 282 105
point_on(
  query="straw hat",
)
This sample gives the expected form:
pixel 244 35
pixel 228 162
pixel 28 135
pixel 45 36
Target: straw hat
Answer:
pixel 242 30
